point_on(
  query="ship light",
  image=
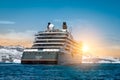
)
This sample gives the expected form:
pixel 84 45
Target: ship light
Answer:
pixel 50 49
pixel 30 50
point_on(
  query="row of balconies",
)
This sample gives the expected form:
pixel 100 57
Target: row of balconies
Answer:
pixel 53 36
pixel 55 41
pixel 57 45
pixel 59 32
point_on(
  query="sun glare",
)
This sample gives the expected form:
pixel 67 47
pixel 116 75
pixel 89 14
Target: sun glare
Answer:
pixel 85 48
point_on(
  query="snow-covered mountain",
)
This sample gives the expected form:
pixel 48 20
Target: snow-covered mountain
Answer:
pixel 14 54
pixel 11 53
pixel 90 59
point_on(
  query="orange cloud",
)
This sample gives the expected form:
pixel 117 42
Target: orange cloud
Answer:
pixel 21 42
pixel 17 38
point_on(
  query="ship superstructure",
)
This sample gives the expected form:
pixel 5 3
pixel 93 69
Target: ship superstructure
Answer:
pixel 53 46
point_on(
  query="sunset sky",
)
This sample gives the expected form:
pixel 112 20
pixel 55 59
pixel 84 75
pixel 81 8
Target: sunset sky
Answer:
pixel 94 22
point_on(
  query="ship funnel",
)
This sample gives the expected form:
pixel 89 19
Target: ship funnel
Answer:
pixel 50 27
pixel 64 25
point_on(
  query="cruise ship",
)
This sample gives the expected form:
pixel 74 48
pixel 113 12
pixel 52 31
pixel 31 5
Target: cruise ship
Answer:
pixel 53 46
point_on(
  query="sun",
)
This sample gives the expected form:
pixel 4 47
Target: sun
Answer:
pixel 85 48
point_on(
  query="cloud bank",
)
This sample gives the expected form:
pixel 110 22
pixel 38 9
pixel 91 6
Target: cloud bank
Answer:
pixel 17 38
pixel 7 22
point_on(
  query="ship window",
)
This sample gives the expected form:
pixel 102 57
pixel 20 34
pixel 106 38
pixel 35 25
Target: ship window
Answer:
pixel 51 34
pixel 48 45
pixel 51 37
pixel 48 41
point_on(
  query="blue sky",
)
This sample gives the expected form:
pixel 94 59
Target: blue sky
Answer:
pixel 34 14
pixel 99 19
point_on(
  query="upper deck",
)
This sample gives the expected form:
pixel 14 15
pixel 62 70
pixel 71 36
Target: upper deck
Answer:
pixel 55 39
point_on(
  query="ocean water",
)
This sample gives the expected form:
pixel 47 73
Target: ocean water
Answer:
pixel 58 72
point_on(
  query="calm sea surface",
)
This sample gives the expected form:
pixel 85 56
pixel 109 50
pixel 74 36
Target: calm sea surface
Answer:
pixel 58 72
